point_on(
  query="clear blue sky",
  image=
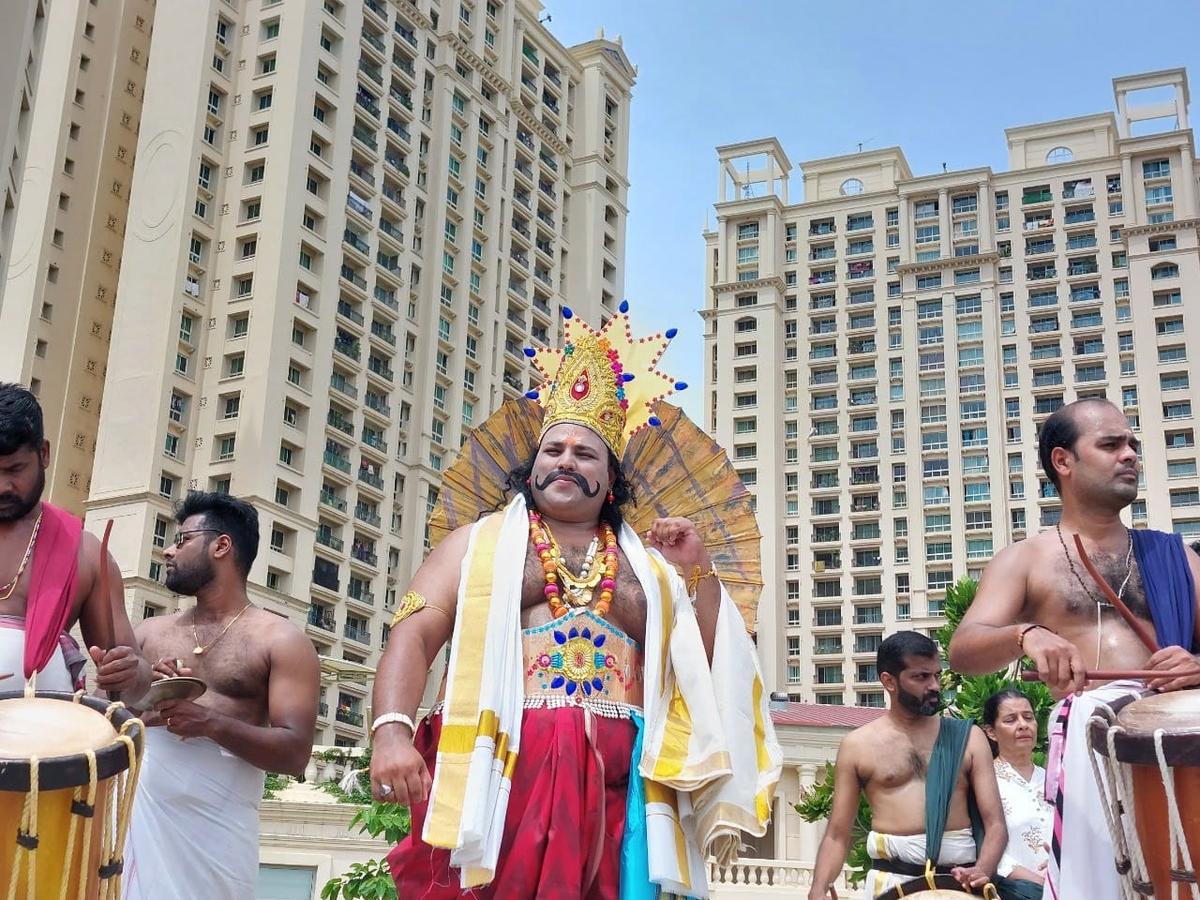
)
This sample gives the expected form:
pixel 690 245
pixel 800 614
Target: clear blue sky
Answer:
pixel 940 79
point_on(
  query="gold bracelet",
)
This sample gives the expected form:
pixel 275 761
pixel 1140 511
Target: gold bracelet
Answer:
pixel 697 577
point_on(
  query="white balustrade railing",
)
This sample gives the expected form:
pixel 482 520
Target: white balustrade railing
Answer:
pixel 766 877
pixel 320 768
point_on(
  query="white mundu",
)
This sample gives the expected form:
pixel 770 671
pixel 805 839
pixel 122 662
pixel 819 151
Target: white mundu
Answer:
pixel 194 830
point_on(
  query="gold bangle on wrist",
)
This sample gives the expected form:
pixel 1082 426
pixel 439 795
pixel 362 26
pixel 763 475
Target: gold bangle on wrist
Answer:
pixel 698 576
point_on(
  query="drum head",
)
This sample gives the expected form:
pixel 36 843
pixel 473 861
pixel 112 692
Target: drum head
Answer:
pixel 36 726
pixel 1176 714
pixel 59 729
pixel 1178 711
pixel 918 889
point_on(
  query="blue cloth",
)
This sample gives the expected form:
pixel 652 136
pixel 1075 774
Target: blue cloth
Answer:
pixel 1170 593
pixel 635 853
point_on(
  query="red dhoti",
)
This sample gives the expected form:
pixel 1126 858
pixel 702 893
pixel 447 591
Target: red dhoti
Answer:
pixel 566 815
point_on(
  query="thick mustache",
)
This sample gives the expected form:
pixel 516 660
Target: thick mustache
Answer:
pixel 574 476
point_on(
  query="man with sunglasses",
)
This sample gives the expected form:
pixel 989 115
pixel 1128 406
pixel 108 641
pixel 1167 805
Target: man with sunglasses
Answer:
pixel 194 832
pixel 51 571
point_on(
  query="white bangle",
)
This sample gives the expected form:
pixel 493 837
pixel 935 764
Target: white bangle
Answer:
pixel 388 718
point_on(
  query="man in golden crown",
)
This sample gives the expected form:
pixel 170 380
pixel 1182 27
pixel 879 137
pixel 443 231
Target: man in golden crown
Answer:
pixel 603 727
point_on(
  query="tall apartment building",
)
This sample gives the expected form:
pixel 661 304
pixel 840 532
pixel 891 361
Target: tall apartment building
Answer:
pixel 22 31
pixel 881 354
pixel 82 69
pixel 347 220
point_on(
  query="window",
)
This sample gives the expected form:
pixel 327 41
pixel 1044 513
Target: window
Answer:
pixel 266 64
pixel 1156 168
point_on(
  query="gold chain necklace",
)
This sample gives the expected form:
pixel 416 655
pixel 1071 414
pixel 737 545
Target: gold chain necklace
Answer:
pixel 578 588
pixel 201 648
pixel 8 589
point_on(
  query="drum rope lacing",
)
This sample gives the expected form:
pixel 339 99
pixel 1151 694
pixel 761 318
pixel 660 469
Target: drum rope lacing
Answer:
pixel 1180 853
pixel 1112 817
pixel 1121 825
pixel 118 797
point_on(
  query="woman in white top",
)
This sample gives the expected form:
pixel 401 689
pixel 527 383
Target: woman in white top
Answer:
pixel 1010 724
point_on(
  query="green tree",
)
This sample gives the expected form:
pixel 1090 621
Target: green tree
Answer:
pixel 369 880
pixel 965 696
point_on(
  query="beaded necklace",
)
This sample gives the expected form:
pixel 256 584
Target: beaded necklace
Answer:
pixel 544 545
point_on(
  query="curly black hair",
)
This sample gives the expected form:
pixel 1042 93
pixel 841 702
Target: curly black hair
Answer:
pixel 622 489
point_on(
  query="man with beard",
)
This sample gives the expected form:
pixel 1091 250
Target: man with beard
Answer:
pixel 928 779
pixel 604 725
pixel 194 831
pixel 53 567
pixel 1036 599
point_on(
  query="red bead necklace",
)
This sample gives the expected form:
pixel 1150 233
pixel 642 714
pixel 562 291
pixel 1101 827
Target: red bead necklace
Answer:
pixel 543 545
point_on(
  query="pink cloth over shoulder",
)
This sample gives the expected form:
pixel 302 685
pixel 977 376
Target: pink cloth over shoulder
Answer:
pixel 51 585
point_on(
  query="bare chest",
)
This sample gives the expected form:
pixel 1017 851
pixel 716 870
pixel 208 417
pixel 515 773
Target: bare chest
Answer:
pixel 628 610
pixel 1062 589
pixel 234 667
pixel 905 762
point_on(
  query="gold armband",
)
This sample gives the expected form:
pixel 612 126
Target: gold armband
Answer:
pixel 697 577
pixel 410 603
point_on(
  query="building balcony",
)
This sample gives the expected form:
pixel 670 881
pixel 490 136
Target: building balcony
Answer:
pixel 328 539
pixel 339 421
pixel 333 501
pixel 321 617
pixel 369 478
pixel 377 406
pixel 375 442
pixel 337 461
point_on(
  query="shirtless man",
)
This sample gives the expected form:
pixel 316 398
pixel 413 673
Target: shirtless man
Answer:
pixel 889 760
pixel 194 833
pixel 1036 599
pixel 33 534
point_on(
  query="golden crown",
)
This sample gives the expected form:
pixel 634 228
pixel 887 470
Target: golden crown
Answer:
pixel 605 380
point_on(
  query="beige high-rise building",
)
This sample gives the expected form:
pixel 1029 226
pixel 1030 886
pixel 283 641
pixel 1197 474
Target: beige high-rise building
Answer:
pixel 879 357
pixel 22 30
pixel 82 70
pixel 347 219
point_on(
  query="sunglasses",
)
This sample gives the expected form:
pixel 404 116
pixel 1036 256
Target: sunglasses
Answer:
pixel 182 536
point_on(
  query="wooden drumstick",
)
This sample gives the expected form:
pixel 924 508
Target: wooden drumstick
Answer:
pixel 107 636
pixel 1139 627
pixel 1119 674
pixel 108 632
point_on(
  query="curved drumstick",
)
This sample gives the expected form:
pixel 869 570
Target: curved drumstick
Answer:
pixel 108 633
pixel 107 637
pixel 1139 627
